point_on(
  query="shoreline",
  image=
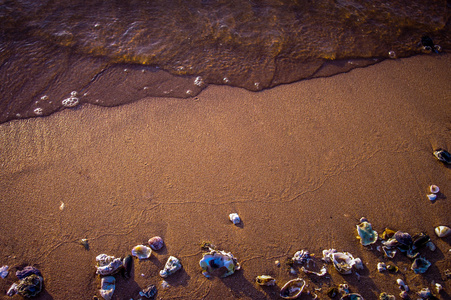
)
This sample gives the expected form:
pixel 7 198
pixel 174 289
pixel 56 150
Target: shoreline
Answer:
pixel 300 163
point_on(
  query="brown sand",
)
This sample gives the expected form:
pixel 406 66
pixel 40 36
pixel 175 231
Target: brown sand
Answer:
pixel 300 163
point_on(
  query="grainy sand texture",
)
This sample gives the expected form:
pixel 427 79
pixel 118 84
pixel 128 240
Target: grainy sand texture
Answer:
pixel 300 163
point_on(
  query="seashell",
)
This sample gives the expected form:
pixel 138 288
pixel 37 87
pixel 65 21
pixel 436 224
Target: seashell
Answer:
pixel 27 271
pixel 108 265
pixel 432 197
pixel 431 246
pixel 392 242
pixel 381 267
pixel 420 265
pixel 321 272
pixel 389 252
pixel 402 285
pixel 392 268
pixel 30 286
pixel 4 271
pixel 156 243
pixel 366 234
pixel 343 262
pixel 141 252
pixel 85 243
pixel 172 265
pixel 442 231
pixel 420 240
pixel 388 233
pixel 403 238
pixel 332 292
pixel 327 254
pixel 425 293
pixel 12 290
pixel 434 189
pixel 292 289
pixel 234 218
pixel 220 263
pixel 385 296
pixel 149 291
pixel 301 257
pixel 108 285
pixel 265 280
pixel 443 156
pixel 352 296
pixel 128 265
pixel 343 288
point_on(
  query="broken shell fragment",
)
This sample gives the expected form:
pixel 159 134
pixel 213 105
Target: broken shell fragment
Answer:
pixel 292 289
pixel 425 293
pixel 381 267
pixel 234 218
pixel 343 262
pixel 141 252
pixel 402 285
pixel 420 265
pixel 108 285
pixel 265 280
pixel 389 252
pixel 108 265
pixel 301 257
pixel 366 233
pixel 172 265
pixel 432 197
pixel 434 189
pixel 385 296
pixel 219 263
pixel 4 271
pixel 149 291
pixel 442 231
pixel 156 243
pixel 321 272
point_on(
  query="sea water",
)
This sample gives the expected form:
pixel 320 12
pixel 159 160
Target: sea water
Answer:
pixel 115 52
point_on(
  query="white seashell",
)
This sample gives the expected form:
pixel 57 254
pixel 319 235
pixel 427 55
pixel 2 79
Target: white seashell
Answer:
pixel 4 271
pixel 432 197
pixel 234 218
pixel 434 189
pixel 404 295
pixel 402 285
pixel 108 285
pixel 172 265
pixel 381 267
pixel 442 231
pixel 141 251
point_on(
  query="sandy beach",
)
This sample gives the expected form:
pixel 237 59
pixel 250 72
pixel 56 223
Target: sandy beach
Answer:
pixel 300 163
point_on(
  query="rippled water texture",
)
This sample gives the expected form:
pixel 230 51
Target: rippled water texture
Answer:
pixel 114 52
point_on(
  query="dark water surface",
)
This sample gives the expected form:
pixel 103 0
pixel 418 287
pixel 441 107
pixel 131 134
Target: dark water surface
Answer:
pixel 115 52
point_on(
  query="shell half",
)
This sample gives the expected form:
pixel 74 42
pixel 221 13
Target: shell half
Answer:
pixel 292 289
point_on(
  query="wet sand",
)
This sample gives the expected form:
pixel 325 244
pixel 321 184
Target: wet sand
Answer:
pixel 300 164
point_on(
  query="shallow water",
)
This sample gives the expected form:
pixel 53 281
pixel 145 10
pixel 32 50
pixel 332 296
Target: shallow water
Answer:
pixel 112 52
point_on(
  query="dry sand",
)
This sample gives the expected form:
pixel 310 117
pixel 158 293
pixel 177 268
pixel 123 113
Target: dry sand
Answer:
pixel 300 163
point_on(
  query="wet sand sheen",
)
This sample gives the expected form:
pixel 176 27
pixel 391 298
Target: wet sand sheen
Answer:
pixel 300 163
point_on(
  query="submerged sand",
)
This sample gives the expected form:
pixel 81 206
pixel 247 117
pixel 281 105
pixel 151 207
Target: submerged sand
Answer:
pixel 300 164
